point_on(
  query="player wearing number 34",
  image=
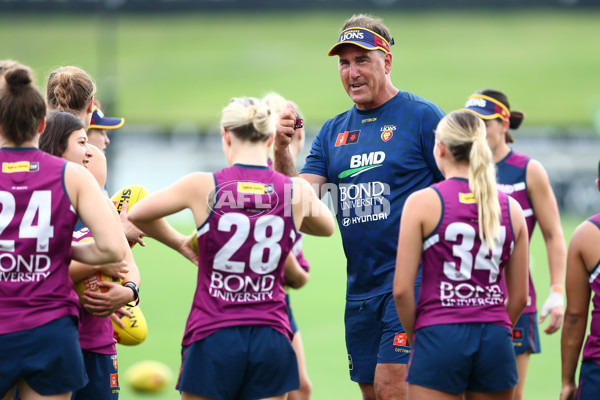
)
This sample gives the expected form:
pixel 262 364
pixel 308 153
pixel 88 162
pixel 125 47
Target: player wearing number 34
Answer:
pixel 469 236
pixel 237 341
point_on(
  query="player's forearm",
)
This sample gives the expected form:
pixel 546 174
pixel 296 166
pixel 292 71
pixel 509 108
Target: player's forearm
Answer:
pixel 79 270
pixel 91 253
pixel 516 277
pixel 557 259
pixel 133 274
pixel 406 308
pixel 573 333
pixel 284 162
pixel 161 230
pixel 295 275
pixel 514 309
pixel 321 224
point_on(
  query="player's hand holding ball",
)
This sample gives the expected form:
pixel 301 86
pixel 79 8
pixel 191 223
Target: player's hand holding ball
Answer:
pixel 91 284
pixel 109 298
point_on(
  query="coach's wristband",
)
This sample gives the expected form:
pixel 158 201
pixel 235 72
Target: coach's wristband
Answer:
pixel 136 293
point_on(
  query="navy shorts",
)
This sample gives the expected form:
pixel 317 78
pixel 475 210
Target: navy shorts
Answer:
pixel 526 335
pixel 102 370
pixel 48 357
pixel 589 381
pixel 244 362
pixel 455 358
pixel 293 323
pixel 374 335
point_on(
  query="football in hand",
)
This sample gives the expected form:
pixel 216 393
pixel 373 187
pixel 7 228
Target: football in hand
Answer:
pixel 135 330
pixel 90 283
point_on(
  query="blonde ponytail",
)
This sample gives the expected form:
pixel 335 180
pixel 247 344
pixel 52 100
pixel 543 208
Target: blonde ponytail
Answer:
pixel 465 135
pixel 248 118
pixel 482 182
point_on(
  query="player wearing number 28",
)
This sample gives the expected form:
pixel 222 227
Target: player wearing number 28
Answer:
pixel 468 236
pixel 237 341
pixel 41 197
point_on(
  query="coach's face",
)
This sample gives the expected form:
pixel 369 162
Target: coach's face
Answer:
pixel 365 74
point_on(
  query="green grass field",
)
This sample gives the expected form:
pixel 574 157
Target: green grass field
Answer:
pixel 167 69
pixel 168 282
pixel 171 69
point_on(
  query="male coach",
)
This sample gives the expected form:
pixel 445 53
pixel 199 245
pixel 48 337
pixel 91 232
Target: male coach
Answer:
pixel 376 154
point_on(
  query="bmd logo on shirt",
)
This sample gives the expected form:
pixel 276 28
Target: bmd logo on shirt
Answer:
pixel 363 162
pixel 347 138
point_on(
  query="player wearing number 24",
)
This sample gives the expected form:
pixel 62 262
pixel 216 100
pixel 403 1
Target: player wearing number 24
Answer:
pixel 469 236
pixel 41 197
pixel 237 341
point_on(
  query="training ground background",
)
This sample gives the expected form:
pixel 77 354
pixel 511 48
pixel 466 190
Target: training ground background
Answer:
pixel 170 75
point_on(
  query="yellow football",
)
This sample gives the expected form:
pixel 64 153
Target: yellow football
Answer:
pixel 132 194
pixel 135 330
pixel 149 376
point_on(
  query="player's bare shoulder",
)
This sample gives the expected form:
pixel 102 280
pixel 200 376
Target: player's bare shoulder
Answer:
pixel 197 184
pixel 424 201
pixel 585 240
pixel 536 174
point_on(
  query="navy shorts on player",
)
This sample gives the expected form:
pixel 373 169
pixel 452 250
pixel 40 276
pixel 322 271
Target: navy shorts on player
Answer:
pixel 47 357
pixel 589 381
pixel 374 335
pixel 293 323
pixel 454 358
pixel 526 334
pixel 244 363
pixel 102 370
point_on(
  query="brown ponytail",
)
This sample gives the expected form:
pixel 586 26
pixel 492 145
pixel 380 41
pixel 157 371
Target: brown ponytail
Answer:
pixel 22 106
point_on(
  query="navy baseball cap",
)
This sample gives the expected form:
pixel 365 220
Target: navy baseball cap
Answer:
pixel 361 37
pixel 99 121
pixel 487 107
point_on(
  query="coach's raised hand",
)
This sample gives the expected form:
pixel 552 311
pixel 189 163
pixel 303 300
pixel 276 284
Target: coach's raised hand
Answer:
pixel 284 130
pixel 285 127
